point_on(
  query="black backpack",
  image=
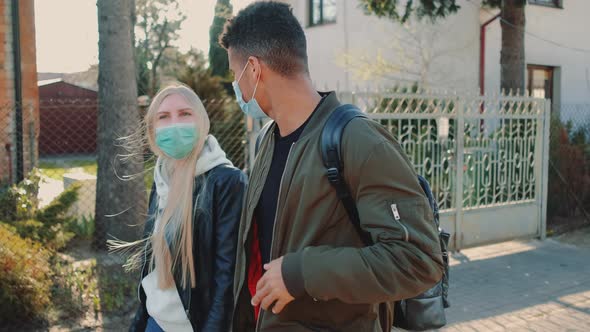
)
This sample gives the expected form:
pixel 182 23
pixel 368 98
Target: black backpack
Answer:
pixel 420 313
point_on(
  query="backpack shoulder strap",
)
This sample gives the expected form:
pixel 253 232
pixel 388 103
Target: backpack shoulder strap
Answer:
pixel 261 135
pixel 330 146
pixel 332 134
pixel 431 200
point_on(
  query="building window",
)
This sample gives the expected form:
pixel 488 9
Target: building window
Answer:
pixel 540 81
pixel 548 3
pixel 322 12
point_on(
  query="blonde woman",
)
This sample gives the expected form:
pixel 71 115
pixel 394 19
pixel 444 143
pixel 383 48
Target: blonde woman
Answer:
pixel 188 252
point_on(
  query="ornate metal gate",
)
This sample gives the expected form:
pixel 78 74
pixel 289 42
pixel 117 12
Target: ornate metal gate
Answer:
pixel 486 158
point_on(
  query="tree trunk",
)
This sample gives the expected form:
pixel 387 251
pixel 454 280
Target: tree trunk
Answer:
pixel 512 54
pixel 119 204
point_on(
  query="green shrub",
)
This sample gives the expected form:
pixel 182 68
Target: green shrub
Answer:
pixel 83 227
pixel 89 286
pixel 569 170
pixel 52 226
pixel 25 277
pixel 20 201
pixel 117 288
pixel 75 288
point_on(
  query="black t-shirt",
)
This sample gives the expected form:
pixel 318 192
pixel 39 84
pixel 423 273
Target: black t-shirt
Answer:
pixel 267 205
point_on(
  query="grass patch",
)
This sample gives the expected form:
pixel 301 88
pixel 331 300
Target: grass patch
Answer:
pixel 56 170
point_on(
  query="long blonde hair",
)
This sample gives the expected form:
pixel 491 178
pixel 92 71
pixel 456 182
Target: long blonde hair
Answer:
pixel 176 219
pixel 178 212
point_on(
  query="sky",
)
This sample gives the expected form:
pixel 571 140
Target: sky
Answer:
pixel 67 31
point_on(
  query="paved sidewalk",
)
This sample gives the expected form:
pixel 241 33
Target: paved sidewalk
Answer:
pixel 520 286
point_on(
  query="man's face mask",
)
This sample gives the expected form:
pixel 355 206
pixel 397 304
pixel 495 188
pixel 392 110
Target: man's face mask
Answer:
pixel 250 108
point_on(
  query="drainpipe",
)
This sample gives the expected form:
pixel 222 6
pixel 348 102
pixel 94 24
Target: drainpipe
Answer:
pixel 482 65
pixel 482 53
pixel 18 96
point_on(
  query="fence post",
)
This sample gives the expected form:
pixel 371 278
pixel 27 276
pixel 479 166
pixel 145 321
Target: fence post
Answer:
pixel 545 169
pixel 539 157
pixel 460 142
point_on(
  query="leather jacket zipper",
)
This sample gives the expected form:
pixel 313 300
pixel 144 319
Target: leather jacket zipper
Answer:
pixel 142 269
pixel 190 286
pixel 397 218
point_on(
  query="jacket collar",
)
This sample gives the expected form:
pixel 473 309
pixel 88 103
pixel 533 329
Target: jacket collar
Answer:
pixel 319 117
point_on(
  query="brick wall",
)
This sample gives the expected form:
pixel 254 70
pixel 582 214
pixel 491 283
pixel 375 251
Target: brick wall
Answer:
pixel 6 87
pixel 30 91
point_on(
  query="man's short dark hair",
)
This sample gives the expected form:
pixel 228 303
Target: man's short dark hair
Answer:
pixel 268 30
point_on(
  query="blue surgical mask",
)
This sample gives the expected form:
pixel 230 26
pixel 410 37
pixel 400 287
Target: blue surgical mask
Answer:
pixel 250 108
pixel 177 140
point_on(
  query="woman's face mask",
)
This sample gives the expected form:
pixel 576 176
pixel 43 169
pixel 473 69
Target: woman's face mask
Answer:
pixel 177 140
pixel 175 127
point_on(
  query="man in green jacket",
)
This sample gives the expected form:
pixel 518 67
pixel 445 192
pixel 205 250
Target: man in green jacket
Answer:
pixel 301 265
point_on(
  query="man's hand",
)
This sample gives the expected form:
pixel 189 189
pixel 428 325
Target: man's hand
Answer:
pixel 271 288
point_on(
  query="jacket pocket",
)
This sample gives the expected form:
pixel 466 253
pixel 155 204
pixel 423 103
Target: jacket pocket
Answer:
pixel 330 315
pixel 411 221
pixel 396 216
pixel 314 328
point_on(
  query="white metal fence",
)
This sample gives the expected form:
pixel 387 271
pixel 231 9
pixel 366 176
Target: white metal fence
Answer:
pixel 485 157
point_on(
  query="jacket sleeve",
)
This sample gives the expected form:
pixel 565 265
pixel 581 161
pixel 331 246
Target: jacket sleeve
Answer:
pixel 405 259
pixel 228 207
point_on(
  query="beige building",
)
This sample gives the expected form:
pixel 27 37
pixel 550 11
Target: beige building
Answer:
pixel 349 50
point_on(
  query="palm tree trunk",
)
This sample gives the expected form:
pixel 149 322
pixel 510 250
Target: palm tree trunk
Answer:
pixel 119 203
pixel 512 55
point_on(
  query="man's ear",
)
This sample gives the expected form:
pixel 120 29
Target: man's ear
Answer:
pixel 255 65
